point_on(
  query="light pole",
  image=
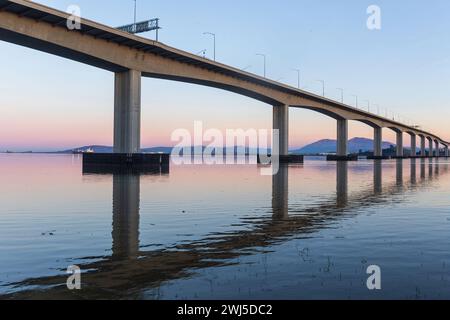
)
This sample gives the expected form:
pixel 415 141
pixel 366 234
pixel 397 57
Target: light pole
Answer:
pixel 323 87
pixel 342 94
pixel 214 37
pixel 368 105
pixel 354 95
pixel 298 77
pixel 135 10
pixel 378 108
pixel 264 56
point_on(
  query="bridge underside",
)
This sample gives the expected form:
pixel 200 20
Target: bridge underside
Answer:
pixel 64 52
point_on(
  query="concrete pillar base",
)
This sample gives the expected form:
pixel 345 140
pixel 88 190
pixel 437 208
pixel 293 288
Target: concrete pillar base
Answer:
pixel 125 163
pixel 351 157
pixel 292 158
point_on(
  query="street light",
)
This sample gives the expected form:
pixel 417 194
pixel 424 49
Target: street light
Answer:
pixel 354 95
pixel 135 10
pixel 342 94
pixel 368 105
pixel 378 108
pixel 203 52
pixel 298 79
pixel 323 87
pixel 214 37
pixel 264 56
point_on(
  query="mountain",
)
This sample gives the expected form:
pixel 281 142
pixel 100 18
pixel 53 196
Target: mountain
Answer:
pixel 108 149
pixel 322 146
pixel 329 146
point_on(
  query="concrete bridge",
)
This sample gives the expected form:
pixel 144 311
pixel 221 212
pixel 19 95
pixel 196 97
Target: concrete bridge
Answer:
pixel 131 57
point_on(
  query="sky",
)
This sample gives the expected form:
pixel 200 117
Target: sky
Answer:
pixel 50 103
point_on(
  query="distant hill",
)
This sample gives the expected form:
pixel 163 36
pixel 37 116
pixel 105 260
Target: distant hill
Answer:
pixel 108 149
pixel 322 146
pixel 329 146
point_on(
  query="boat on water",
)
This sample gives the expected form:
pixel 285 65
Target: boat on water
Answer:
pixel 81 151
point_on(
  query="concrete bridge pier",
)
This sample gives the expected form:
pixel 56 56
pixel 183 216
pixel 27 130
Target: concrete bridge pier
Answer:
pixel 342 138
pixel 437 154
pixel 127 128
pixel 413 145
pixel 430 148
pixel 127 112
pixel 377 145
pixel 446 151
pixel 423 152
pixel 377 142
pixel 399 151
pixel 342 143
pixel 281 123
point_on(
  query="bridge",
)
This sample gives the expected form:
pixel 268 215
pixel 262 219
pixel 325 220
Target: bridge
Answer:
pixel 131 57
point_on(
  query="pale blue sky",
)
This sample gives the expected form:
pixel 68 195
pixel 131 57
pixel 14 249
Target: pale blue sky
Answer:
pixel 404 67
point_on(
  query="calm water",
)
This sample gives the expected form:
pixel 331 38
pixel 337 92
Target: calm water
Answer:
pixel 225 232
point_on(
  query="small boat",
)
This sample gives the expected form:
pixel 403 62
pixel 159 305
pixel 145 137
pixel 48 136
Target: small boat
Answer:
pixel 80 151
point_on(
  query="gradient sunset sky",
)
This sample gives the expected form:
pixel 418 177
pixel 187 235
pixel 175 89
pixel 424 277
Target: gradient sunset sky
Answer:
pixel 50 103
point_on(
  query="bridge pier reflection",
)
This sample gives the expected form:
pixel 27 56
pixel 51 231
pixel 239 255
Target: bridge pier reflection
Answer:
pixel 341 184
pixel 430 168
pixel 399 172
pixel 280 192
pixel 125 205
pixel 377 176
pixel 413 172
pixel 422 169
pixel 125 226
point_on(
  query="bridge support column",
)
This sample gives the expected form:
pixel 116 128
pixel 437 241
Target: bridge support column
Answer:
pixel 342 138
pixel 423 152
pixel 342 143
pixel 377 142
pixel 399 152
pixel 127 112
pixel 413 145
pixel 430 147
pixel 437 148
pixel 446 151
pixel 281 122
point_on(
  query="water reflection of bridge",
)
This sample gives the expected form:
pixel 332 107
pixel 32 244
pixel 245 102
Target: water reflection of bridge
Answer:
pixel 130 270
